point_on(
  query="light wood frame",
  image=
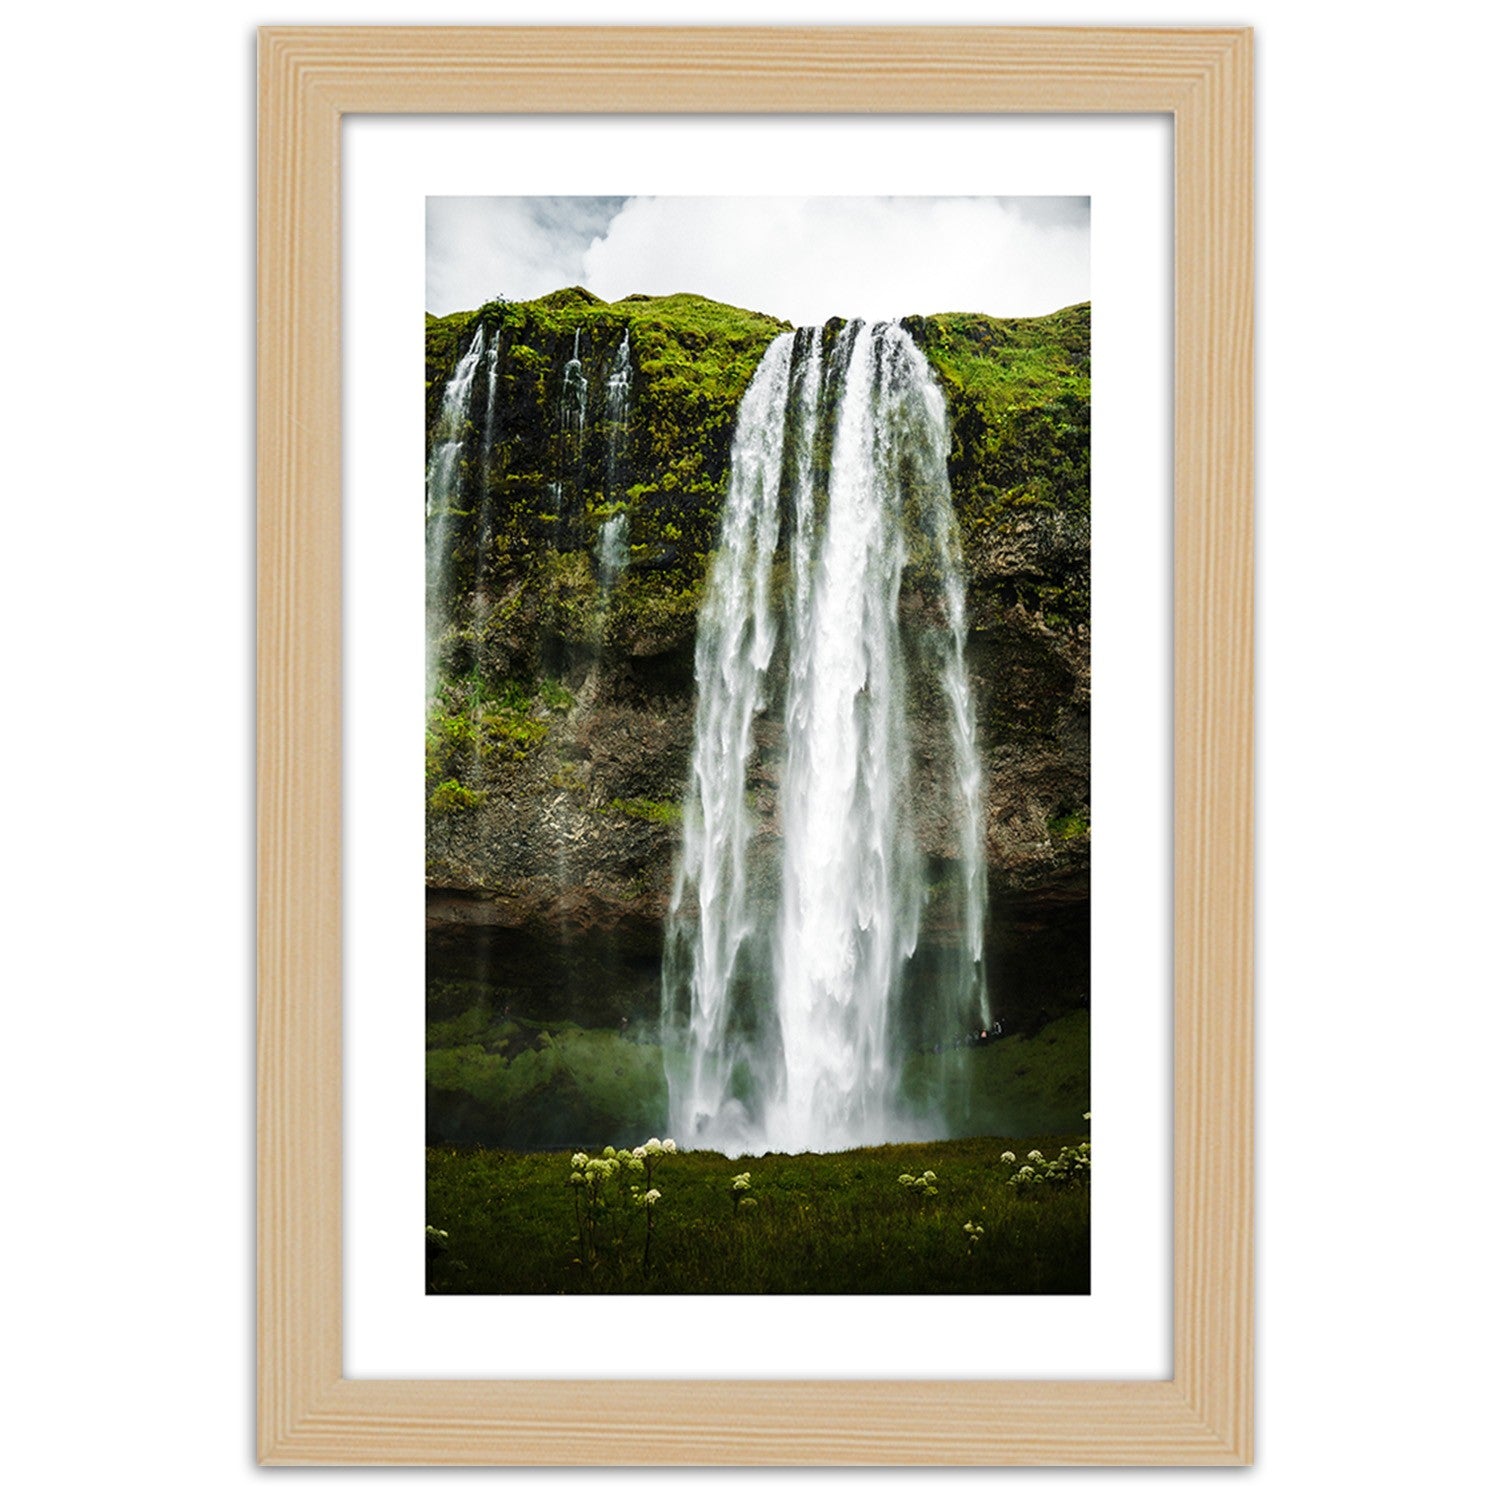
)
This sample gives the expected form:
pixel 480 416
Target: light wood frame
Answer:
pixel 309 1413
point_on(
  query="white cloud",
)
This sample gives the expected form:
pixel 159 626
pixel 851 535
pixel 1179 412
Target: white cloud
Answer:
pixel 809 259
pixel 803 259
pixel 478 248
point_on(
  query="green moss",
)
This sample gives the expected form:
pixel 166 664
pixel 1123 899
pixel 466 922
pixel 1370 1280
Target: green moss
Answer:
pixel 1068 825
pixel 510 735
pixel 1018 394
pixel 568 779
pixel 1018 399
pixel 451 741
pixel 534 503
pixel 669 814
pixel 476 721
pixel 453 796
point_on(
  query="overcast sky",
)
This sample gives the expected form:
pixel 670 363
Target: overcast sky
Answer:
pixel 802 259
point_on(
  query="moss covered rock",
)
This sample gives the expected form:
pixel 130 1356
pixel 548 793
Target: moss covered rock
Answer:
pixel 561 719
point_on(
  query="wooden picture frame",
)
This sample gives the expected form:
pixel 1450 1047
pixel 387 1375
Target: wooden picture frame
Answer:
pixel 309 1413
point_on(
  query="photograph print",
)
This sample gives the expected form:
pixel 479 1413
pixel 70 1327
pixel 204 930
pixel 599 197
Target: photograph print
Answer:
pixel 757 745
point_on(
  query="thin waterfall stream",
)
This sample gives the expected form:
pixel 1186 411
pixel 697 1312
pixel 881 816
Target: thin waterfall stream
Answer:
pixel 612 549
pixel 445 493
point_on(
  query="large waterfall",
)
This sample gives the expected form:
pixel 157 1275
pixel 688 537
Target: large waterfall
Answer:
pixel 834 618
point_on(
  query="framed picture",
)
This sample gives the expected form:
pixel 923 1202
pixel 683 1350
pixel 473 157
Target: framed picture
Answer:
pixel 721 665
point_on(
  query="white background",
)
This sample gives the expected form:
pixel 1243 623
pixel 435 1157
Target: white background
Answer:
pixel 1122 1329
pixel 126 590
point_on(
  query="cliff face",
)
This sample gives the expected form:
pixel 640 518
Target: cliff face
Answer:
pixel 575 524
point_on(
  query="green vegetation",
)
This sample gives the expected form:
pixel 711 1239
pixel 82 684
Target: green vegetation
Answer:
pixel 846 1222
pixel 495 1077
pixel 511 1080
pixel 1069 825
pixel 668 814
pixel 453 796
pixel 1015 1085
pixel 534 502
pixel 1018 394
pixel 473 722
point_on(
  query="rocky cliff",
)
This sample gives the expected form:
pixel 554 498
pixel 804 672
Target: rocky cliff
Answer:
pixel 573 526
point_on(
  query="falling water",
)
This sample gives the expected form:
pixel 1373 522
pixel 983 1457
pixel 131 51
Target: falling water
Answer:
pixel 492 371
pixel 492 385
pixel 445 494
pixel 787 958
pixel 613 547
pixel 616 412
pixel 724 1066
pixel 575 394
pixel 613 550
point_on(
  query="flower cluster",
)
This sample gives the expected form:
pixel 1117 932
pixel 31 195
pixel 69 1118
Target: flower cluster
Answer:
pixel 1072 1167
pixel 602 1211
pixel 921 1187
pixel 739 1188
pixel 975 1232
pixel 591 1171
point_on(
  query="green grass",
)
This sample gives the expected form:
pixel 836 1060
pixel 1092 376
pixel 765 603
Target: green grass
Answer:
pixel 836 1223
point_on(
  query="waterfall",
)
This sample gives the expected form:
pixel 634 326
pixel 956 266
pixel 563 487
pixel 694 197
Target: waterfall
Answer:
pixel 575 395
pixel 613 548
pixel 793 919
pixel 492 385
pixel 616 412
pixel 445 495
